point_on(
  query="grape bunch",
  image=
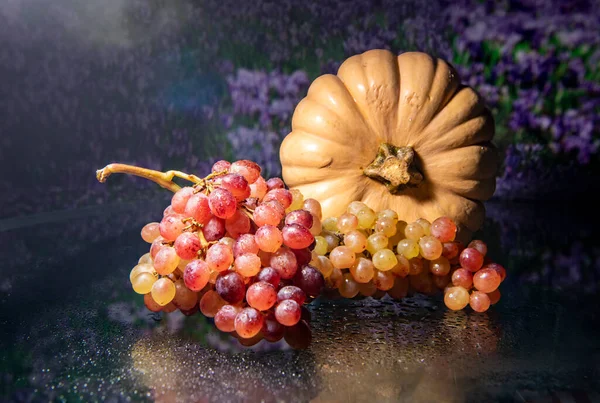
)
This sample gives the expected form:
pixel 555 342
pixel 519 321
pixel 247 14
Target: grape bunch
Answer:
pixel 249 253
pixel 373 253
pixel 236 247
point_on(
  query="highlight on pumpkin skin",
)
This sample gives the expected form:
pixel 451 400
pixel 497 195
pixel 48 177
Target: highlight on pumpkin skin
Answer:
pixel 250 253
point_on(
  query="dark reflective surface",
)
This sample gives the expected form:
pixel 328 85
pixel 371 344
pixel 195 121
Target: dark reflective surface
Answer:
pixel 72 329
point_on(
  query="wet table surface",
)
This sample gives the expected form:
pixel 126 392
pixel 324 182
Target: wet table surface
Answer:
pixel 72 328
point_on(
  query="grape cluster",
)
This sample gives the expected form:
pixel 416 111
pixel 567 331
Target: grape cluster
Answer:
pixel 250 253
pixel 236 247
pixel 373 253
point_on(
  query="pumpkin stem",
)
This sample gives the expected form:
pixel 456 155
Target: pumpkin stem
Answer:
pixel 394 167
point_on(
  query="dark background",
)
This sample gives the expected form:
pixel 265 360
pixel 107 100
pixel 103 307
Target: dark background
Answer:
pixel 178 84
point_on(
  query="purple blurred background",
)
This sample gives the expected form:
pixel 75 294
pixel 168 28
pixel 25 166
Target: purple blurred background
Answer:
pixel 177 85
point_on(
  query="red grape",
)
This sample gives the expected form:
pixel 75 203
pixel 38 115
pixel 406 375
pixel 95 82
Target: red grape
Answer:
pixel 185 298
pixel 219 257
pixel 303 256
pixel 269 213
pixel 196 275
pixel 494 296
pixel 347 222
pixel 300 217
pixel 171 226
pixel 247 265
pixel 450 250
pixel 291 292
pixel 275 183
pixel 415 266
pixel 237 224
pixel 430 247
pixel 248 169
pixel 456 298
pixel 231 287
pixel 227 241
pixel 245 244
pixel 197 207
pixel 151 304
pixel 150 232
pixel 220 166
pixel 259 188
pixel 214 229
pixel 402 269
pixel 236 184
pixel 284 261
pixel 180 199
pixel 261 295
pixel 310 280
pixel 156 246
pixel 313 207
pixel 288 312
pixel 479 301
pixel 336 279
pixel 272 330
pixel 471 259
pixel 170 307
pixel 225 318
pixel 440 266
pixel 383 280
pixel 268 238
pixel 486 280
pixel 342 257
pixel 499 268
pixel 248 323
pixel 166 261
pixel 479 245
pixel 269 275
pixel 222 203
pixel 210 303
pixel 462 278
pixel 168 211
pixel 187 245
pixel 441 282
pixel 443 229
pixel 283 196
pixel 265 258
pixel 400 288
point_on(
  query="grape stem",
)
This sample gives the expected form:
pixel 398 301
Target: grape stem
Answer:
pixel 164 179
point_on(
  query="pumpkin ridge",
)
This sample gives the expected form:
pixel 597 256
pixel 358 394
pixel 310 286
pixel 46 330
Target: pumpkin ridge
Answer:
pixel 354 106
pixel 330 156
pixel 453 79
pixel 362 113
pixel 475 189
pixel 318 177
pixel 433 143
pixel 452 123
pixel 411 96
pixel 486 159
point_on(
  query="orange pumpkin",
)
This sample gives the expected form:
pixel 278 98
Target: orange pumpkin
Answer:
pixel 396 132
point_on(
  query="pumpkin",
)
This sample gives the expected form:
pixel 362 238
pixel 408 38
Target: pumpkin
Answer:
pixel 397 132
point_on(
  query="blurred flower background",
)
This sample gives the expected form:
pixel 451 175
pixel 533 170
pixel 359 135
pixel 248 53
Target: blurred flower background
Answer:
pixel 181 84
